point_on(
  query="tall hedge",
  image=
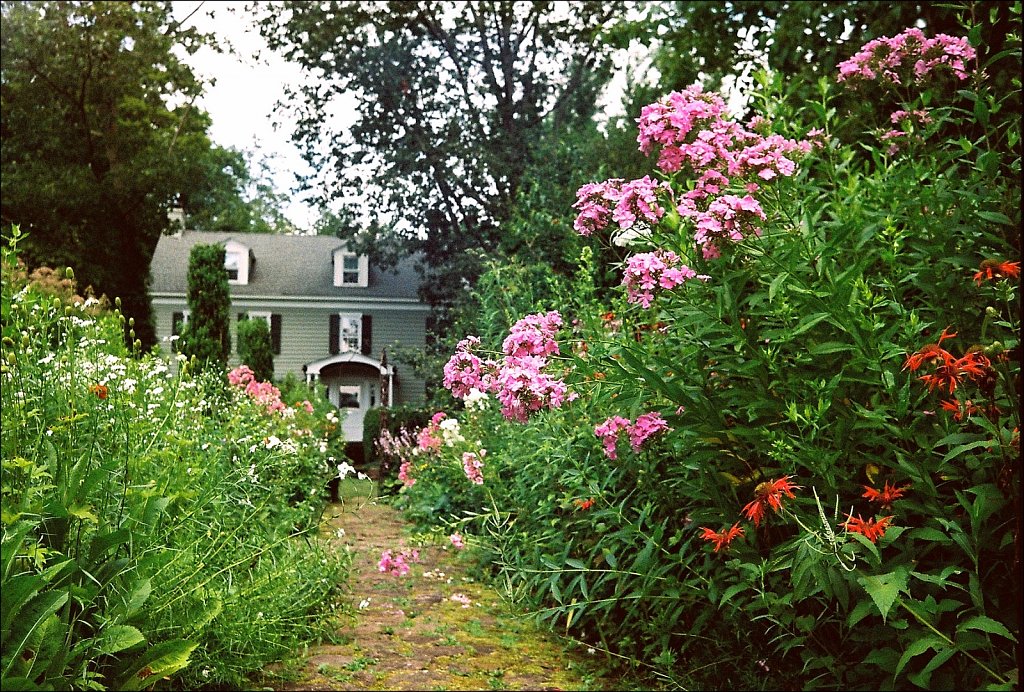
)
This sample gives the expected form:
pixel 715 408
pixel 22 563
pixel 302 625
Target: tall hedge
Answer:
pixel 206 334
pixel 255 348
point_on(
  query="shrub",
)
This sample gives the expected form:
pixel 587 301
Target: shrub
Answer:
pixel 255 348
pixel 154 525
pixel 830 333
pixel 206 336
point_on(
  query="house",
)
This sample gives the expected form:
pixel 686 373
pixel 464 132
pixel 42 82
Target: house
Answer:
pixel 334 317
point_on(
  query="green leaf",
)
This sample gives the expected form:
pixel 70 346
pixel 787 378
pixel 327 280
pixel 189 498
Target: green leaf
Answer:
pixel 919 647
pixel 573 562
pixel 33 615
pixel 154 664
pixel 732 591
pixel 829 347
pixel 884 589
pixel 985 624
pixel 118 638
pixel 774 286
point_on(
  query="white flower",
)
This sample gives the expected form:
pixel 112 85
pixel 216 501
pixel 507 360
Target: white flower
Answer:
pixel 345 468
pixel 340 533
pixel 476 400
pixel 273 441
pixel 364 603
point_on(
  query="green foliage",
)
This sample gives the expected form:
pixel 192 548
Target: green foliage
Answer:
pixel 394 420
pixel 790 364
pixel 154 525
pixel 255 348
pixel 451 101
pixel 206 337
pixel 93 155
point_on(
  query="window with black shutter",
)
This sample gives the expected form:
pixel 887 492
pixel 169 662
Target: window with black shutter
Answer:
pixel 366 329
pixel 332 338
pixel 275 333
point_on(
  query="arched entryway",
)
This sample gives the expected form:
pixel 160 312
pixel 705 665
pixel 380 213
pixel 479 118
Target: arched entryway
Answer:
pixel 354 383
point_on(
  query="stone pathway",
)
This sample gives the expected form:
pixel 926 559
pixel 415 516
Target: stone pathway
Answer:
pixel 432 629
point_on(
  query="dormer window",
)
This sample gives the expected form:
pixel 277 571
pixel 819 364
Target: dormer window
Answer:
pixel 351 269
pixel 238 262
pixel 231 262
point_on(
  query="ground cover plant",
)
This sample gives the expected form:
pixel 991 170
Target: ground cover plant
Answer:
pixel 786 453
pixel 159 527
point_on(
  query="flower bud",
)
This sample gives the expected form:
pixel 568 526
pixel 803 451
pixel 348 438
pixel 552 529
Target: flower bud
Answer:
pixel 991 312
pixel 69 272
pixel 993 349
pixel 117 302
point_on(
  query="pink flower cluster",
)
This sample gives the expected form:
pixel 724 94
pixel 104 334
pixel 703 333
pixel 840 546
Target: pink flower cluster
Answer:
pixel 457 542
pixel 429 438
pixel 471 464
pixel 646 425
pixel 690 132
pixel 265 394
pixel 650 271
pixel 397 564
pixel 403 474
pixel 909 57
pixel 729 218
pixel 518 379
pixel 619 201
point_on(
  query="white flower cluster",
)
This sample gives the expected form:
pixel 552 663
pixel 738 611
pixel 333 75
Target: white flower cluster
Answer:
pixel 450 434
pixel 476 400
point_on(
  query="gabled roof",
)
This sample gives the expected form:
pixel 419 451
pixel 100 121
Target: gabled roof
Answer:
pixel 285 265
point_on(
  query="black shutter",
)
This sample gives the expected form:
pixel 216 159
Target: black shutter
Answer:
pixel 366 333
pixel 275 334
pixel 243 316
pixel 335 334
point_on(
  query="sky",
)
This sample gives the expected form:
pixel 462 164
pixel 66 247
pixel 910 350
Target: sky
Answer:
pixel 242 102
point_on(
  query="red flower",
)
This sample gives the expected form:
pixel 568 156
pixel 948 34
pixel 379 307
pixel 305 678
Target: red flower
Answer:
pixel 724 538
pixel 99 390
pixel 967 409
pixel 991 269
pixel 974 364
pixel 887 495
pixel 584 504
pixel 768 494
pixel 870 529
pixel 929 352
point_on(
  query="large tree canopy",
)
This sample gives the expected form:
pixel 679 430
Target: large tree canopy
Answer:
pixel 101 137
pixel 449 100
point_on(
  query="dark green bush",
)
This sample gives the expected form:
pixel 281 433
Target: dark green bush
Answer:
pixel 206 336
pixel 255 348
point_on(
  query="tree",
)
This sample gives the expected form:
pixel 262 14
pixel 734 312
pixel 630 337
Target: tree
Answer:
pixel 449 98
pixel 100 138
pixel 206 336
pixel 255 348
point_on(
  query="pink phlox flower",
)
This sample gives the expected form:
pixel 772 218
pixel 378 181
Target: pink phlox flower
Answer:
pixel 397 564
pixel 241 376
pixel 648 271
pixel 646 426
pixel 456 539
pixel 533 335
pixel 638 199
pixel 609 431
pixel 523 389
pixel 404 474
pixel 472 465
pixel 596 204
pixel 907 57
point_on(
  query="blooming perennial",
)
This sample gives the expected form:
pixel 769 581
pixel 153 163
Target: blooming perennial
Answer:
pixel 886 496
pixel 870 529
pixel 397 564
pixel 518 381
pixel 472 465
pixel 768 494
pixel 722 539
pixel 907 58
pixel 651 271
pixel 646 425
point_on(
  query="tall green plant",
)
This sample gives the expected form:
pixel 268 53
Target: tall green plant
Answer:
pixel 255 348
pixel 206 336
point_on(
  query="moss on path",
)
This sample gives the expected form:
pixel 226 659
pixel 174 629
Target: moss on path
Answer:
pixel 417 632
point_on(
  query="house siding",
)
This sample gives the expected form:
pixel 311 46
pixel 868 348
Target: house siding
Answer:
pixel 304 334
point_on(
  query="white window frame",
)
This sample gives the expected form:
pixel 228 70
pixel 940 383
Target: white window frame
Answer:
pixel 237 257
pixel 345 344
pixel 340 270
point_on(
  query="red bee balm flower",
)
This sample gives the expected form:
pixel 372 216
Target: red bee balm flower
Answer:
pixel 584 504
pixel 929 352
pixel 724 538
pixel 99 390
pixel 768 494
pixel 992 269
pixel 870 529
pixel 886 496
pixel 950 374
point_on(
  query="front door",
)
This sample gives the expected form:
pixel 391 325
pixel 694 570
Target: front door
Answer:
pixel 353 399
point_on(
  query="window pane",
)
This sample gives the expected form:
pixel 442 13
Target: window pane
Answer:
pixel 351 263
